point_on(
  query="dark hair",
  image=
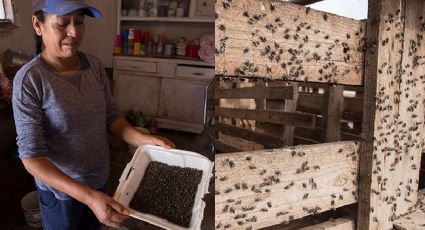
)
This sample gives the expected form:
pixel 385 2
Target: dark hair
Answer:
pixel 38 39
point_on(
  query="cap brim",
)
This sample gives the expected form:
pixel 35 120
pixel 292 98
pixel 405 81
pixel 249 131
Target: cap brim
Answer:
pixel 71 6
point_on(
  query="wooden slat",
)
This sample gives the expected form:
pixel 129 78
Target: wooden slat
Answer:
pixel 349 137
pixel 353 104
pixel 352 116
pixel 264 139
pixel 289 130
pixel 225 148
pixel 312 134
pixel 332 113
pixel 393 123
pixel 312 45
pixel 271 186
pixel 239 143
pixel 315 101
pixel 299 140
pixel 284 92
pixel 345 223
pixel 275 117
pixel 416 219
pixel 294 225
pixel 311 101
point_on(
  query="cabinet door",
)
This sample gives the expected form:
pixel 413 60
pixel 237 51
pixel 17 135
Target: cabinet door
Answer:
pixel 182 99
pixel 137 93
pixel 205 8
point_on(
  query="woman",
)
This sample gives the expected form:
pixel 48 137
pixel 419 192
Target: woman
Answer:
pixel 63 110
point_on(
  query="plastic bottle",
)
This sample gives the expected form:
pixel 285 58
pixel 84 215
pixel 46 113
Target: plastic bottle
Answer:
pixel 125 42
pixel 131 41
pixel 140 120
pixel 118 45
pixel 137 42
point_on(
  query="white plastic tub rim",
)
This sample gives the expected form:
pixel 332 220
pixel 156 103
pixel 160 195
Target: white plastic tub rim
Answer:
pixel 134 172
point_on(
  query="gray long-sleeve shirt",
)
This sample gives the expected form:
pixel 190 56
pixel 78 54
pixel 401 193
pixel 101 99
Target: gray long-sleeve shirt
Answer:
pixel 65 119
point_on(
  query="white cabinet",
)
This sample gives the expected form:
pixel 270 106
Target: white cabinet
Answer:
pixel 172 89
pixel 173 94
pixel 137 92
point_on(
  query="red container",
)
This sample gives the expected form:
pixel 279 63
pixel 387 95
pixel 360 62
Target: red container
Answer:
pixel 192 51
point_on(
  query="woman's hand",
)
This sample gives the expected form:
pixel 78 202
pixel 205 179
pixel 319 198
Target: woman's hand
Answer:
pixel 161 141
pixel 122 129
pixel 107 210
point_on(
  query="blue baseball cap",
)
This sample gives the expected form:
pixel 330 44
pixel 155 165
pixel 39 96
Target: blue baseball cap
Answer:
pixel 62 7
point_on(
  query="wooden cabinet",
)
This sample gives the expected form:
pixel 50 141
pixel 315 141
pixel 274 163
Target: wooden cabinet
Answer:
pixel 170 90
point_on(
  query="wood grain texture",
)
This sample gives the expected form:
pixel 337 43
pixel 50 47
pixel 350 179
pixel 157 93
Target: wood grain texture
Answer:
pixel 393 122
pixel 279 40
pixel 315 101
pixel 416 219
pixel 276 117
pixel 284 92
pixel 345 223
pixel 237 143
pixel 333 113
pixel 263 139
pixel 289 130
pixel 268 187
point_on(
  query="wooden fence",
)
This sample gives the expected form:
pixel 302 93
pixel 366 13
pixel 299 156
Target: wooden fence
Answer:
pixel 383 68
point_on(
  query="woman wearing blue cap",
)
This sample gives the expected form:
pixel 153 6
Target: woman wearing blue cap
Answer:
pixel 63 110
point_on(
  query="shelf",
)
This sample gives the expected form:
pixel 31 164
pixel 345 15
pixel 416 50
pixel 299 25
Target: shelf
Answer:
pixel 167 19
pixel 173 59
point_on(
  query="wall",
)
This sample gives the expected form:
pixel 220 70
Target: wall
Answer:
pixel 98 39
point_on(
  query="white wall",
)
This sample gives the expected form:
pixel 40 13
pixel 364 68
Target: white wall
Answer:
pixel 99 37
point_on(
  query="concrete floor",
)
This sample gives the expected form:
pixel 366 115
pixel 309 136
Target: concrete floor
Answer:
pixel 119 159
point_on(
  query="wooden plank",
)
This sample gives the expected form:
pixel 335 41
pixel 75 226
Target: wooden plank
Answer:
pixel 413 221
pixel 312 134
pixel 352 116
pixel 280 40
pixel 274 104
pixel 332 113
pixel 345 223
pixel 290 106
pixel 225 148
pixel 311 101
pixel 299 140
pixel 275 117
pixel 260 102
pixel 350 137
pixel 263 139
pixel 264 188
pixel 416 219
pixel 393 122
pixel 353 104
pixel 294 225
pixel 239 143
pixel 284 92
pixel 315 101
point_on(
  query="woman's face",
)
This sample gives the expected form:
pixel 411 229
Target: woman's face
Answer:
pixel 62 35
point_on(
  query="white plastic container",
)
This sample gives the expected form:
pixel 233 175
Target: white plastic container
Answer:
pixel 135 170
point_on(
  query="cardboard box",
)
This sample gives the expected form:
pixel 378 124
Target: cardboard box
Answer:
pixel 135 170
